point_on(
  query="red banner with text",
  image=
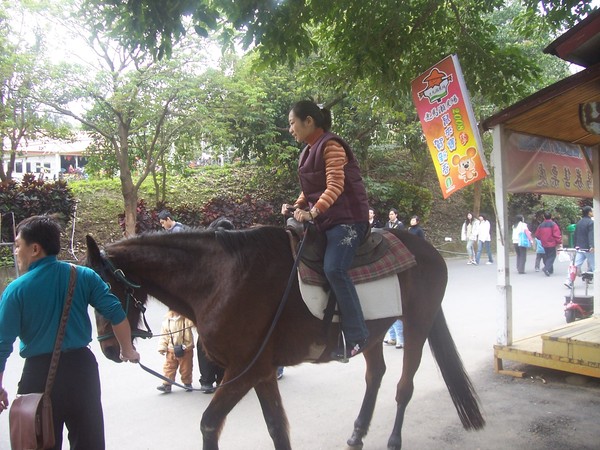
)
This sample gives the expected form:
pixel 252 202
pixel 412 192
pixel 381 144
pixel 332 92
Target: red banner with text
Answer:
pixel 448 123
pixel 545 166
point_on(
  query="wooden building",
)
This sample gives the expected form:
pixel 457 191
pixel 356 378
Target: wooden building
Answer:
pixel 554 114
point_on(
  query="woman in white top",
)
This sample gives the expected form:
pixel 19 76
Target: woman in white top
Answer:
pixel 518 227
pixel 468 233
pixel 485 239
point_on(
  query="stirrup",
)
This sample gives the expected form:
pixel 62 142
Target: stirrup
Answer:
pixel 344 352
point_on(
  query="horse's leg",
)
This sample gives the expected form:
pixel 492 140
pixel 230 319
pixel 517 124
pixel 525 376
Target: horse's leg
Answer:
pixel 275 417
pixel 373 375
pixel 414 340
pixel 221 404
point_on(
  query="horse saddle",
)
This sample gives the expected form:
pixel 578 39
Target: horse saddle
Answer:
pixel 380 255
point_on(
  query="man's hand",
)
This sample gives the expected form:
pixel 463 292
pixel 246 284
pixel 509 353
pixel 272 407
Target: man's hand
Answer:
pixel 3 399
pixel 130 356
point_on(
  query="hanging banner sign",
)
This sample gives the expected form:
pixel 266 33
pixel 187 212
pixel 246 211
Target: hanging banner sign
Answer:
pixel 546 166
pixel 449 125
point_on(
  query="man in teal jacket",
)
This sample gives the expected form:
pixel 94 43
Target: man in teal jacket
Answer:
pixel 31 308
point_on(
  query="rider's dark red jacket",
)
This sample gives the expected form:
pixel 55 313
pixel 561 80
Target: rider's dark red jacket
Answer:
pixel 321 186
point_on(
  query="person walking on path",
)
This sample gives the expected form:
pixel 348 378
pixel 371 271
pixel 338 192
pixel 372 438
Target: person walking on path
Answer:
pixel 484 236
pixel 415 227
pixel 394 222
pixel 549 234
pixel 521 244
pixel 584 240
pixel 373 221
pixel 396 331
pixel 396 334
pixel 468 233
pixel 539 254
pixel 211 374
pixel 31 308
pixel 177 344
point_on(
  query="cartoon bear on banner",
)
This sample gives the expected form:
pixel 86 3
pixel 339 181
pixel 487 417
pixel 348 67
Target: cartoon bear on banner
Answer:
pixel 466 165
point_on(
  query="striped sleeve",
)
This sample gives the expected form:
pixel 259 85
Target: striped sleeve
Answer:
pixel 335 159
pixel 301 201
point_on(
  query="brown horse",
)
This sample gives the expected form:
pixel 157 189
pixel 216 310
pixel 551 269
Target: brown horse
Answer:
pixel 231 283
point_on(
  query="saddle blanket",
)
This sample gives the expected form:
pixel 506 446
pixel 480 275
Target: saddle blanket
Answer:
pixel 378 299
pixel 397 259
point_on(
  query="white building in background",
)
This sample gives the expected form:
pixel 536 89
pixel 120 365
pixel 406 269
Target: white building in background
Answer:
pixel 50 159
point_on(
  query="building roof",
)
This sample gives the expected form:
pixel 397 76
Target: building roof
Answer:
pixel 580 44
pixel 53 147
pixel 553 112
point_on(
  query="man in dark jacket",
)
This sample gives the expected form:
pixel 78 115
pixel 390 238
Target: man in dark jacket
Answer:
pixel 584 240
pixel 549 234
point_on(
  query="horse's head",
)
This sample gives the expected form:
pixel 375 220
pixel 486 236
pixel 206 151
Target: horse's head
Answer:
pixel 130 294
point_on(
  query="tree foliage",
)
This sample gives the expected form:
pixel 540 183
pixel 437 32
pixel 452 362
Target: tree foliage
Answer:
pixel 385 43
pixel 21 115
pixel 138 106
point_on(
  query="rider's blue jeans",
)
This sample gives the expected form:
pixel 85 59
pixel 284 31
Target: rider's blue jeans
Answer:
pixel 342 243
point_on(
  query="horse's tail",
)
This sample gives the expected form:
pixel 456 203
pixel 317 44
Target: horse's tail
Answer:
pixel 459 385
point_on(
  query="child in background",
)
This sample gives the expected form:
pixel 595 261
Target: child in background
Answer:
pixel 177 344
pixel 539 254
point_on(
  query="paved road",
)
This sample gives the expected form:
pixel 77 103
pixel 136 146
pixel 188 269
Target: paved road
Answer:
pixel 322 401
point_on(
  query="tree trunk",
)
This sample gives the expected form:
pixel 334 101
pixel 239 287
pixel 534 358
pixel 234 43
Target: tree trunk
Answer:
pixel 130 202
pixel 128 189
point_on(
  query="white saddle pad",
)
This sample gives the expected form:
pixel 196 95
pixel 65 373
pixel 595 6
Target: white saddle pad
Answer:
pixel 378 299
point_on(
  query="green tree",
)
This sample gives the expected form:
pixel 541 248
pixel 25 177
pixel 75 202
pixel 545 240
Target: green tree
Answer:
pixel 137 106
pixel 21 116
pixel 384 43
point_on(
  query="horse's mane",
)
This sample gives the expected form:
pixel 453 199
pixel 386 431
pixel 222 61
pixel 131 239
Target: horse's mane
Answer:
pixel 245 245
pixel 249 241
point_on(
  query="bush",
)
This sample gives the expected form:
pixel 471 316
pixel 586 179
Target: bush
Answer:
pixel 407 198
pixel 145 220
pixel 32 197
pixel 564 210
pixel 243 212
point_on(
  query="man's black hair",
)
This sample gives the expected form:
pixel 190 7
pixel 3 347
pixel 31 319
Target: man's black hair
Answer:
pixel 42 230
pixel 164 215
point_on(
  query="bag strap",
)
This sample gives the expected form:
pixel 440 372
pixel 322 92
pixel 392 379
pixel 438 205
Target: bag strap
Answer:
pixel 61 332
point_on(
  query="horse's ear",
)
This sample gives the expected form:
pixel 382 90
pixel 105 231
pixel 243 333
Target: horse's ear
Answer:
pixel 93 251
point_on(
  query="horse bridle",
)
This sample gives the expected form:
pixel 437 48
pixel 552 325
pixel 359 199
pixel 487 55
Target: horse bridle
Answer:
pixel 130 288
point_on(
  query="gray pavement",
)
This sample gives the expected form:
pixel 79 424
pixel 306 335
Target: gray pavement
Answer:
pixel 322 400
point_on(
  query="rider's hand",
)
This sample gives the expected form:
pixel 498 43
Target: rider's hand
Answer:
pixel 302 216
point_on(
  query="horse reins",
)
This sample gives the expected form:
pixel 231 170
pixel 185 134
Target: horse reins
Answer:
pixel 130 287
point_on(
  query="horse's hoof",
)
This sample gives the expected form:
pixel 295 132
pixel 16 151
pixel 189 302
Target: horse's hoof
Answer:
pixel 358 446
pixel 394 445
pixel 355 442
